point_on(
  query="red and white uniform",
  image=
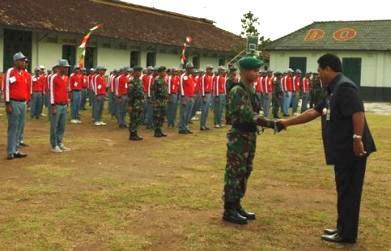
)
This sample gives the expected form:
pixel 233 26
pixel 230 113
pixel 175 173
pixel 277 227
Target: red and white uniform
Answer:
pixel 186 85
pixel 59 90
pixel 259 84
pixel 287 84
pixel 197 84
pixel 173 84
pixel 296 83
pixel 38 84
pixel 147 83
pixel 121 85
pixel 112 83
pixel 305 85
pixel 76 82
pixel 100 89
pixel 206 84
pixel 16 85
pixel 219 86
pixel 268 84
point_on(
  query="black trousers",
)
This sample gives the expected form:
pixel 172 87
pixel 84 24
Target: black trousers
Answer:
pixel 349 179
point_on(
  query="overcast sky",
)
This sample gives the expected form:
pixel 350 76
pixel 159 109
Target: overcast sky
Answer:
pixel 277 18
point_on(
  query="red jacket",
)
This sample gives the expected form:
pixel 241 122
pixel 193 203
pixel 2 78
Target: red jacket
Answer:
pixel 206 84
pixel 306 85
pixel 197 84
pixel 38 84
pixel 259 84
pixel 147 83
pixel 76 82
pixel 219 85
pixel 268 84
pixel 287 83
pixel 91 84
pixel 173 84
pixel 296 83
pixel 122 85
pixel 100 85
pixel 16 85
pixel 186 85
pixel 59 89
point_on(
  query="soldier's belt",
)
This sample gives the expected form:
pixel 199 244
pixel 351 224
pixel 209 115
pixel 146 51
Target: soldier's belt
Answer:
pixel 245 127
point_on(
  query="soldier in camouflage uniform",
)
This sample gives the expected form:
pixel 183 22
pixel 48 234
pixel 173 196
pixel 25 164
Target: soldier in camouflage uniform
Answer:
pixel 136 103
pixel 277 94
pixel 244 108
pixel 231 82
pixel 316 90
pixel 159 101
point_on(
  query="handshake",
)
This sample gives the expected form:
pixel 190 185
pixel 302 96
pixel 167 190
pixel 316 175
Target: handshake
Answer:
pixel 276 125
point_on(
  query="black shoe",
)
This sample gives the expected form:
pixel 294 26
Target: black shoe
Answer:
pixel 189 132
pixel 244 213
pixel 132 136
pixel 207 128
pixel 182 132
pixel 10 156
pixel 19 155
pixel 158 133
pixel 231 215
pixel 203 129
pixel 22 144
pixel 330 231
pixel 336 238
pixel 138 138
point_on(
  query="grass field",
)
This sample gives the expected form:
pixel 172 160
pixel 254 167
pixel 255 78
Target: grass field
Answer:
pixel 165 194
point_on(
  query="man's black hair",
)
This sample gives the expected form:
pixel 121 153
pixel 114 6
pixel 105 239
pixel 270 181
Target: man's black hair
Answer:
pixel 331 61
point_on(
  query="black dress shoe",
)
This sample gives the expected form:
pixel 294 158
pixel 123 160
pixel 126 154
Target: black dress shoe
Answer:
pixel 233 216
pixel 336 238
pixel 182 132
pixel 10 156
pixel 19 155
pixel 202 129
pixel 244 213
pixel 330 231
pixel 189 132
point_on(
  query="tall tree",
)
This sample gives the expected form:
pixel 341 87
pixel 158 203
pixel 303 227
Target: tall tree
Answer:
pixel 250 25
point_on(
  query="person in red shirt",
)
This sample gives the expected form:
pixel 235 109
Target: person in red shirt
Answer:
pixel 37 91
pixel 112 103
pixel 296 84
pixel 206 91
pixel 100 93
pixel 148 79
pixel 186 87
pixel 84 91
pixel 219 92
pixel 76 86
pixel 197 95
pixel 16 95
pixel 305 92
pixel 59 84
pixel 172 103
pixel 267 93
pixel 121 92
pixel 287 86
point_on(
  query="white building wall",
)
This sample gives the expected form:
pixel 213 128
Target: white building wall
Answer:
pixel 1 49
pixel 374 65
pixel 113 58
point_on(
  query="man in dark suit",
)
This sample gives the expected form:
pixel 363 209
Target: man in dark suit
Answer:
pixel 347 143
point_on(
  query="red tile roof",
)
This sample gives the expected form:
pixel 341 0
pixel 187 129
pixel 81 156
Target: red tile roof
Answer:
pixel 121 20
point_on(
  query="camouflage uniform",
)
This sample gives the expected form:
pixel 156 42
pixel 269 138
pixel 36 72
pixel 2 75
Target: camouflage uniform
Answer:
pixel 231 82
pixel 276 96
pixel 159 102
pixel 316 92
pixel 241 145
pixel 136 104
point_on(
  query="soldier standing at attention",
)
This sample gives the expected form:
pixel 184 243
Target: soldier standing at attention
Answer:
pixel 277 94
pixel 186 87
pixel 16 93
pixel 59 102
pixel 296 91
pixel 231 82
pixel 172 103
pixel 159 101
pixel 219 92
pixel 76 86
pixel 206 89
pixel 100 93
pixel 242 137
pixel 37 90
pixel 135 103
pixel 316 90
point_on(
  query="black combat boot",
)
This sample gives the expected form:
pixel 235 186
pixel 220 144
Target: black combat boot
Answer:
pixel 158 133
pixel 232 215
pixel 132 136
pixel 244 213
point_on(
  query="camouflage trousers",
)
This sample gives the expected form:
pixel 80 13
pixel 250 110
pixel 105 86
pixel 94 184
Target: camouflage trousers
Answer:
pixel 136 119
pixel 276 102
pixel 240 155
pixel 158 116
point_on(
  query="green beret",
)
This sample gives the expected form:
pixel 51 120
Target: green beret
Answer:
pixel 161 69
pixel 248 63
